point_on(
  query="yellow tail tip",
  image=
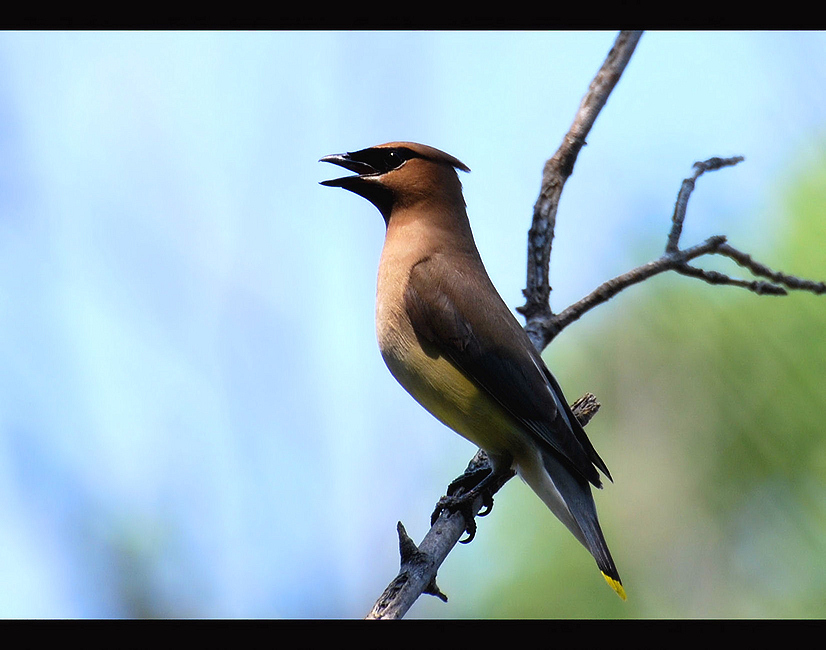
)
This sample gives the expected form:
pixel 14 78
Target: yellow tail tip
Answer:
pixel 615 584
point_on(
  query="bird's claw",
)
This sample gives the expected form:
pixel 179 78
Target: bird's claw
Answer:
pixel 459 500
pixel 487 504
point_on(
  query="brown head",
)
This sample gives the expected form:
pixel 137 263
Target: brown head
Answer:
pixel 400 175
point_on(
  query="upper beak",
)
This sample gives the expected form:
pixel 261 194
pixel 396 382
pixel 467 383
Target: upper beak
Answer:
pixel 346 161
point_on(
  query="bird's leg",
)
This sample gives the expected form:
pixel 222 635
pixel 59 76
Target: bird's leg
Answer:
pixel 479 479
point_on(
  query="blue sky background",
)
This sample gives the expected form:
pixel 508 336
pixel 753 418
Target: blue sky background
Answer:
pixel 194 417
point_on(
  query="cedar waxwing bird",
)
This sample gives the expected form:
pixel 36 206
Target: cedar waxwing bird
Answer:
pixel 450 340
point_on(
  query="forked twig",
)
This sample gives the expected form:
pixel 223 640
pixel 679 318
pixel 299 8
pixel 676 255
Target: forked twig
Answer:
pixel 676 259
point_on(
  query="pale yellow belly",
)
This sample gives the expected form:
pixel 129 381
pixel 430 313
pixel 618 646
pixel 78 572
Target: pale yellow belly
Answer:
pixel 457 402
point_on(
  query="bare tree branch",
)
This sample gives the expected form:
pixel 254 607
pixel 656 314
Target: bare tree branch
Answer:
pixel 557 169
pixel 419 565
pixel 676 259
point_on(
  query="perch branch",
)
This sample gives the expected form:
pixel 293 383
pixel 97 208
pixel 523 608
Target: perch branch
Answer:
pixel 419 565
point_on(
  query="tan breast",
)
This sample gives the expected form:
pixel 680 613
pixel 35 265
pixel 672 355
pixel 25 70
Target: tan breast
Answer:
pixel 434 381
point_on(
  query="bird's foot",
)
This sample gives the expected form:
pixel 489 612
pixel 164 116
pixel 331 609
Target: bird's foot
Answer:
pixel 461 495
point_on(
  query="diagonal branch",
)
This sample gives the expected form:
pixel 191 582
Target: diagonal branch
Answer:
pixel 557 169
pixel 419 565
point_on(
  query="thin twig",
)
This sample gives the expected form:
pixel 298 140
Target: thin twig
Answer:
pixel 676 259
pixel 686 189
pixel 792 282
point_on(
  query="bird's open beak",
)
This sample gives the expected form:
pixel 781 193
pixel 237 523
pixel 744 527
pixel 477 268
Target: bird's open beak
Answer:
pixel 348 162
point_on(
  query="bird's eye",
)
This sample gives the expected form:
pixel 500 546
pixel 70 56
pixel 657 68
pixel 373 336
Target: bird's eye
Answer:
pixel 394 159
pixel 384 160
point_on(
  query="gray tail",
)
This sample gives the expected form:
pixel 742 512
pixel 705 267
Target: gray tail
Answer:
pixel 582 521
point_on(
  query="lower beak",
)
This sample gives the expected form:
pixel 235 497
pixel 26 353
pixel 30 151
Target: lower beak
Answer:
pixel 346 161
